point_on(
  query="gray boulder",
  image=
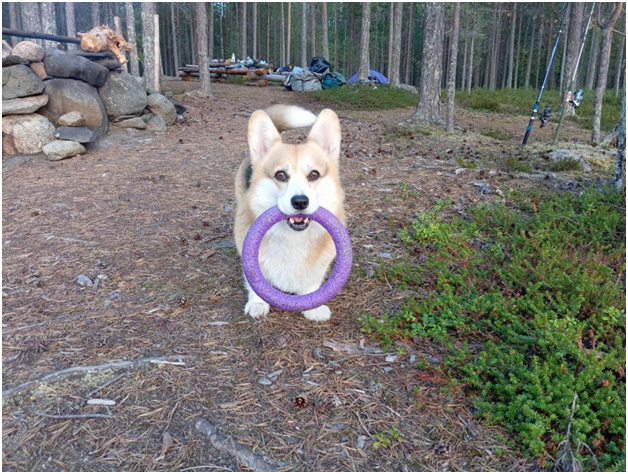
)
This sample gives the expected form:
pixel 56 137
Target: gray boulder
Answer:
pixel 111 64
pixel 60 149
pixel 12 60
pixel 161 105
pixel 123 95
pixel 24 105
pixel 562 154
pixel 156 125
pixel 135 122
pixel 75 134
pixel 25 134
pixel 92 56
pixel 70 95
pixel 6 49
pixel 20 81
pixel 64 65
pixel 72 119
pixel 30 51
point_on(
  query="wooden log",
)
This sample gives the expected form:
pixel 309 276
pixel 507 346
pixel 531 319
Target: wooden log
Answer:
pixel 35 34
pixel 260 83
pixel 274 77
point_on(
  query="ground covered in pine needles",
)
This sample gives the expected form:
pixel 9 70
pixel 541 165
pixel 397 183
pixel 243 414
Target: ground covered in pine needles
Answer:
pixel 124 259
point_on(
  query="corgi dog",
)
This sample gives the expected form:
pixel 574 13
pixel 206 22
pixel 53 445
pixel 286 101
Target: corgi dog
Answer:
pixel 296 253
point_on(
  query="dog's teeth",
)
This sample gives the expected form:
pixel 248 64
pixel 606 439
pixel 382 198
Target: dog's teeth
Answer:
pixel 291 220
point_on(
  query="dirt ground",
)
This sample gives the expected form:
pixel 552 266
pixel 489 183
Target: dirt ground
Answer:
pixel 149 218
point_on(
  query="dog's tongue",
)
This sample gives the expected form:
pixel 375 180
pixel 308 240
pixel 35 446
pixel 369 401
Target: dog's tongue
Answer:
pixel 298 219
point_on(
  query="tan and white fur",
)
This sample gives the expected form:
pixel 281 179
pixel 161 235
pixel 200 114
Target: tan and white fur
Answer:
pixel 295 255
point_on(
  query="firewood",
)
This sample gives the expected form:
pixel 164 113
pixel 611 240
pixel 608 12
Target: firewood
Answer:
pixel 104 38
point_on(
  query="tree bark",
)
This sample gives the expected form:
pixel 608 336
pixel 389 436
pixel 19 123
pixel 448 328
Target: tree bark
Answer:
pixel 49 22
pixel 31 19
pixel 201 36
pixel 364 67
pixel 619 180
pixel 593 54
pixel 288 38
pixel 391 37
pixel 70 24
pixel 210 42
pixel 243 37
pixel 175 39
pixel 530 54
pixel 130 32
pixel 471 48
pixel 409 45
pixel 428 107
pixel 313 27
pixel 518 54
pixel 325 31
pixel 254 12
pixel 304 63
pixel 538 56
pixel 95 14
pixel 574 40
pixel 607 31
pixel 464 63
pixel 453 59
pixel 13 14
pixel 282 43
pixel 511 46
pixel 618 67
pixel 336 36
pixel 393 76
pixel 148 41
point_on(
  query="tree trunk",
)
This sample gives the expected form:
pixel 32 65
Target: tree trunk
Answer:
pixel 391 37
pixel 564 58
pixel 472 47
pixel 593 54
pixel 336 36
pixel 313 27
pixel 618 67
pixel 325 32
pixel 518 54
pixel 511 46
pixel 607 36
pixel 428 107
pixel 95 14
pixel 210 44
pixel 538 57
pixel 409 45
pixel 464 63
pixel 288 38
pixel 201 37
pixel 130 33
pixel 49 22
pixel 268 28
pixel 148 41
pixel 31 19
pixel 619 180
pixel 174 34
pixel 254 12
pixel 13 24
pixel 393 76
pixel 364 67
pixel 530 54
pixel 453 59
pixel 282 43
pixel 574 40
pixel 304 63
pixel 70 24
pixel 243 37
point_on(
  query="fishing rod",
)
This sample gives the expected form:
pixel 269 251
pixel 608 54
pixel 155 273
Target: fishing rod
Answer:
pixel 568 93
pixel 549 66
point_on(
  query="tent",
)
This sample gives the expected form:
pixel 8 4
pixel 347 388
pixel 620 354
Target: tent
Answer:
pixel 373 75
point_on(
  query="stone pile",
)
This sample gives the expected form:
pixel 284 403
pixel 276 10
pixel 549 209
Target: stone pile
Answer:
pixel 56 101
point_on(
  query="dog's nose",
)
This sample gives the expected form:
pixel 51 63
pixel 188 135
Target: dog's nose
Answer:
pixel 300 202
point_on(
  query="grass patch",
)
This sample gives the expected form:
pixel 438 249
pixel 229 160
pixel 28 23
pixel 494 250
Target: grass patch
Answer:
pixel 568 164
pixel 521 101
pixel 529 299
pixel 361 97
pixel 502 135
pixel 471 164
pixel 513 164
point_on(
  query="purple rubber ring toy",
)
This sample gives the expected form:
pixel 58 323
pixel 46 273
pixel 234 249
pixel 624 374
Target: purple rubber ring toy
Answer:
pixel 274 297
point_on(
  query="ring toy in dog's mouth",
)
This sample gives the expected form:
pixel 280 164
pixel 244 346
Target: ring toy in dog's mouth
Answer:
pixel 274 297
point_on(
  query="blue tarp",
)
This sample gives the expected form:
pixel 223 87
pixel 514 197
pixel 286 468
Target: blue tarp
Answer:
pixel 373 74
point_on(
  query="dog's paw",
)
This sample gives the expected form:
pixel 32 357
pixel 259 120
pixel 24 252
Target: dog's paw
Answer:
pixel 255 309
pixel 322 313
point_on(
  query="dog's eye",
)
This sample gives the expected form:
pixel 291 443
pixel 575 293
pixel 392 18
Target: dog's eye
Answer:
pixel 281 176
pixel 313 176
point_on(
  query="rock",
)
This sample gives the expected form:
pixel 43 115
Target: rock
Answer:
pixel 147 117
pixel 92 56
pixel 135 122
pixel 60 64
pixel 156 125
pixel 111 64
pixel 60 149
pixel 408 87
pixel 25 134
pixel 75 134
pixel 160 105
pixel 72 119
pixel 70 95
pixel 20 81
pixel 30 51
pixel 7 50
pixel 24 105
pixel 39 69
pixel 264 381
pixel 84 280
pixel 562 154
pixel 123 95
pixel 12 60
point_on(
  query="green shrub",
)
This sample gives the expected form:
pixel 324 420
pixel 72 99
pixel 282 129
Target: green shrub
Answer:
pixel 568 164
pixel 538 287
pixel 362 97
pixel 498 134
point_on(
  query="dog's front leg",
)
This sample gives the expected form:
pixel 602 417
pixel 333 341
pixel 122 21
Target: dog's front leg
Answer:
pixel 322 313
pixel 255 306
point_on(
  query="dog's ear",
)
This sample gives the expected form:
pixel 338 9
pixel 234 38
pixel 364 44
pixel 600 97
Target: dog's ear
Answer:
pixel 262 135
pixel 326 133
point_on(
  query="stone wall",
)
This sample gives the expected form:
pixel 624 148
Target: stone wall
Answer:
pixel 56 101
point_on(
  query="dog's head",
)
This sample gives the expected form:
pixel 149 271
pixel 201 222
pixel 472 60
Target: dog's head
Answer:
pixel 296 178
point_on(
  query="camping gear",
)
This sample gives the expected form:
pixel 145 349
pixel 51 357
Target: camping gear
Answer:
pixel 547 113
pixel 577 98
pixel 302 80
pixel 332 80
pixel 568 99
pixel 274 297
pixel 549 66
pixel 319 65
pixel 373 76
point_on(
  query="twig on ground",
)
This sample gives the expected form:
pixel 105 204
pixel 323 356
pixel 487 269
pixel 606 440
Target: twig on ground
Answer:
pixel 106 384
pixel 229 445
pixel 567 460
pixel 64 417
pixel 53 376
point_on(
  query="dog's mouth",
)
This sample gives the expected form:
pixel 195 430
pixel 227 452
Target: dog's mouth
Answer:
pixel 298 222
